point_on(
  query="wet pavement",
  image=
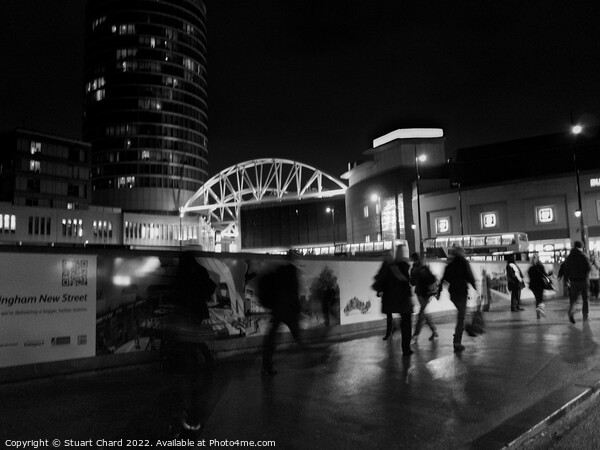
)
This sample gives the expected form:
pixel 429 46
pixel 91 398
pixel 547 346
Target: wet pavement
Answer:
pixel 359 393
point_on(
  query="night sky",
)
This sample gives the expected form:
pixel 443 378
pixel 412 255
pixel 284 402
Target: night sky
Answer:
pixel 317 81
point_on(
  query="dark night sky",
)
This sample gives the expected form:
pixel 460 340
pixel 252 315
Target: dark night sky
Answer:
pixel 317 81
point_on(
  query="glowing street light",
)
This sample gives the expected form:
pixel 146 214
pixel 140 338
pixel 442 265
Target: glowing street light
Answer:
pixel 420 158
pixel 576 130
pixel 332 212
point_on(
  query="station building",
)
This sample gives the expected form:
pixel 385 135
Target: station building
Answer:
pixel 528 185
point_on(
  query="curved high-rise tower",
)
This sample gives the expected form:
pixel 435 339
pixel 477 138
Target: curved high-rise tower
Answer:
pixel 146 102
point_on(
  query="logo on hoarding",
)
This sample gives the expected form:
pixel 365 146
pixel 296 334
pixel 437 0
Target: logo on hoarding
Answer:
pixel 61 340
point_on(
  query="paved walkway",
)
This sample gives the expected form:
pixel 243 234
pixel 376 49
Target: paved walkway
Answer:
pixel 356 394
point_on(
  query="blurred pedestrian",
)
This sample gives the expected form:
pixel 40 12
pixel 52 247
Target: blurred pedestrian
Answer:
pixel 486 290
pixel 538 282
pixel 285 308
pixel 378 286
pixel 458 275
pixel 514 281
pixel 576 271
pixel 396 298
pixel 425 285
pixel 595 276
pixel 186 333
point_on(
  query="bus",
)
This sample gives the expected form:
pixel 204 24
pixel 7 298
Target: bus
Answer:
pixel 489 246
pixel 361 249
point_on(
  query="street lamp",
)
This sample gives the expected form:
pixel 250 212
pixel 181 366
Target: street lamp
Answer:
pixel 575 130
pixel 332 212
pixel 377 198
pixel 181 213
pixel 420 158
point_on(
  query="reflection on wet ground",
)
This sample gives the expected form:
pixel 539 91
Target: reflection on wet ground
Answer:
pixel 359 393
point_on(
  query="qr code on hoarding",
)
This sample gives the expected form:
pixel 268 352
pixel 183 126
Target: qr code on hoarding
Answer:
pixel 74 272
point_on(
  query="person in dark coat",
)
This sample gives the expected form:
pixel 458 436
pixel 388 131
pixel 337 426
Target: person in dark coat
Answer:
pixel 396 298
pixel 458 275
pixel 286 309
pixel 576 271
pixel 425 286
pixel 195 288
pixel 537 276
pixel 378 285
pixel 514 281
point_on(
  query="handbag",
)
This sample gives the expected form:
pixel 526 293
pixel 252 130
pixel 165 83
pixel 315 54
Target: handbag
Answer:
pixel 548 286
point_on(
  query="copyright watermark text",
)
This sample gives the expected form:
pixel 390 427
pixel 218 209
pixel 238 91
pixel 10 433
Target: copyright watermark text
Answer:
pixel 121 443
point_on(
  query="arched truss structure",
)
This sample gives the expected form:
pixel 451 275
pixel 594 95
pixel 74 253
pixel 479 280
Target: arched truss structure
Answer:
pixel 259 181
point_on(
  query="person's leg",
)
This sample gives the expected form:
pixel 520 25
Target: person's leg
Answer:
pixel 518 295
pixel 585 289
pixel 191 378
pixel 430 323
pixel 573 293
pixel 539 303
pixel 389 326
pixel 405 330
pixel 269 347
pixel 513 300
pixel 420 316
pixel 461 308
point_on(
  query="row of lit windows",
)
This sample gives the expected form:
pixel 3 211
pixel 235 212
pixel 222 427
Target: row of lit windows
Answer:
pixel 172 46
pixel 179 114
pixel 123 53
pixel 190 32
pixel 147 182
pixel 125 29
pixel 157 67
pixel 159 143
pixel 153 231
pixel 40 226
pixel 102 229
pixel 145 155
pixel 167 132
pixel 96 83
pixel 57 151
pixel 72 227
pixel 80 173
pixel 8 223
pixel 149 103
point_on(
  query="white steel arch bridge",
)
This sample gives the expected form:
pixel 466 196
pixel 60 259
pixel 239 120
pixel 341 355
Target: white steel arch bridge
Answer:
pixel 258 181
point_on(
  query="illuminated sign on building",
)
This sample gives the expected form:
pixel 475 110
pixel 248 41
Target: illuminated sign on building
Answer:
pixel 489 220
pixel 442 225
pixel 594 182
pixel 545 215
